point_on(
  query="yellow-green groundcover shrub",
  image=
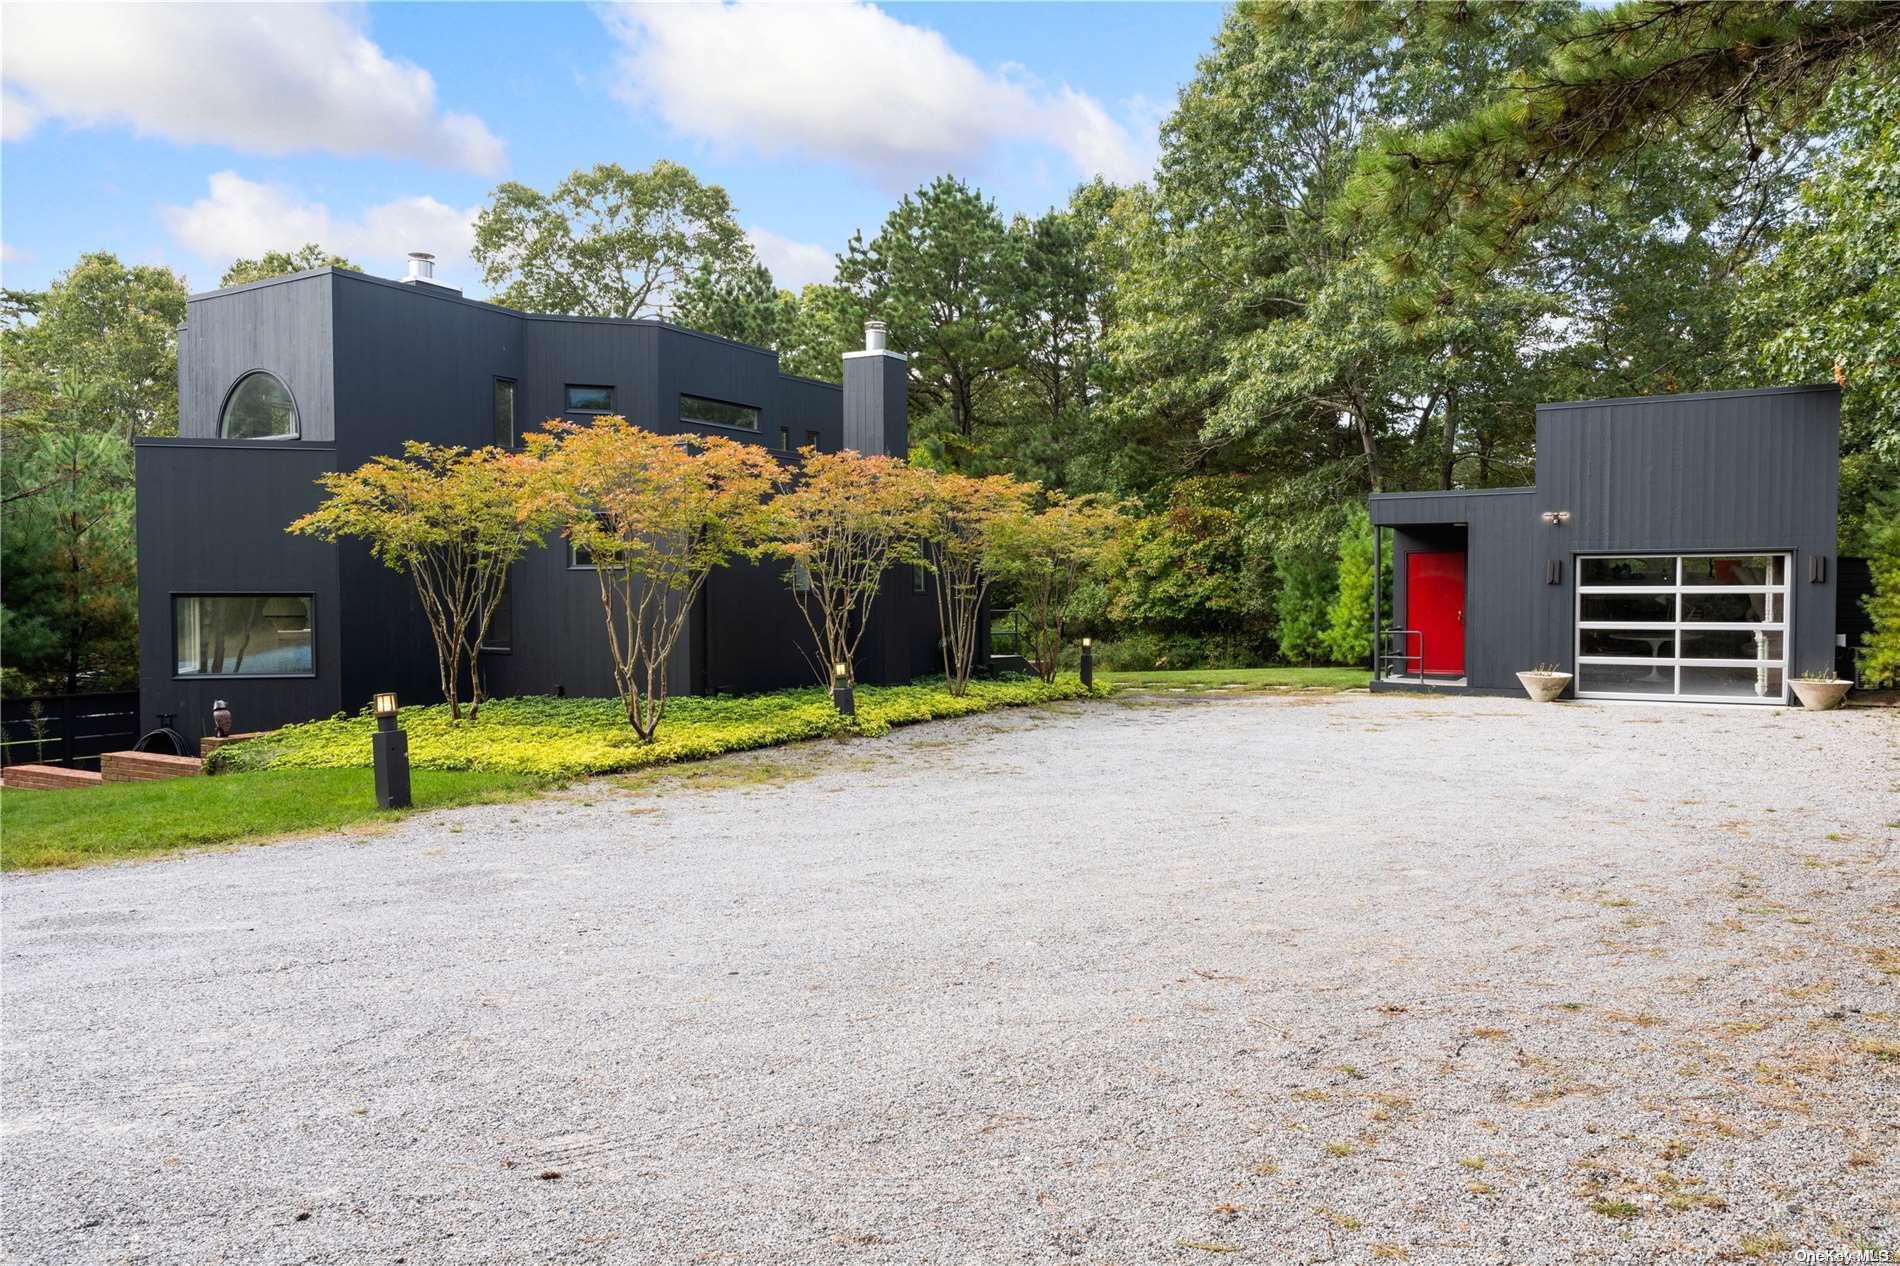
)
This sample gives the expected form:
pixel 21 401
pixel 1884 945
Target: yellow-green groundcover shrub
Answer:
pixel 573 738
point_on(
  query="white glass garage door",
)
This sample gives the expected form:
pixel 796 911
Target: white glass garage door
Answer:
pixel 1711 628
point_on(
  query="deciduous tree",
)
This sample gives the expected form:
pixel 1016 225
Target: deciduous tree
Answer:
pixel 655 514
pixel 607 241
pixel 963 515
pixel 452 519
pixel 846 522
pixel 1044 559
pixel 282 263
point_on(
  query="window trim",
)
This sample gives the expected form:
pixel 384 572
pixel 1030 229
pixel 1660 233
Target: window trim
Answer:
pixel 567 404
pixel 296 410
pixel 514 409
pixel 757 428
pixel 174 595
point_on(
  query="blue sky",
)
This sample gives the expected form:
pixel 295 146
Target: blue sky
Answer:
pixel 189 135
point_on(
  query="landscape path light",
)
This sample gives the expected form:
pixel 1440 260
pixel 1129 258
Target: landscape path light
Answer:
pixel 391 748
pixel 842 696
pixel 1088 663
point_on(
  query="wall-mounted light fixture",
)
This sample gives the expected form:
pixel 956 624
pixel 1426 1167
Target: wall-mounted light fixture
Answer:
pixel 390 747
pixel 843 698
pixel 1088 663
pixel 221 719
pixel 1556 516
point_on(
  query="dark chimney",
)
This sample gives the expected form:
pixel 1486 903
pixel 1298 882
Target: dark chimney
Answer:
pixel 876 405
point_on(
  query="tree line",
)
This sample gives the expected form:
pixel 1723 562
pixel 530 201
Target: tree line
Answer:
pixel 1376 237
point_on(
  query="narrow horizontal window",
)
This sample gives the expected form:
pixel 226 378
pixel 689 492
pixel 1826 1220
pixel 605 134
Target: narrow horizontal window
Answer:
pixel 589 399
pixel 229 635
pixel 703 412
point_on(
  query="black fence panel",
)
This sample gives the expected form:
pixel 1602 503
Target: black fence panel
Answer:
pixel 69 730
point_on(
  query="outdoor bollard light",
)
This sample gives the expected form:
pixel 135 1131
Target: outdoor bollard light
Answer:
pixel 221 719
pixel 391 747
pixel 841 694
pixel 1088 663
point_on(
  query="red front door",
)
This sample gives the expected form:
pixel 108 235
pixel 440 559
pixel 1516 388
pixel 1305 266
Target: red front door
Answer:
pixel 1435 606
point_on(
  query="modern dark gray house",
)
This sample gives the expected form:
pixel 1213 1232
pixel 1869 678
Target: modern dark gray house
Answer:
pixel 285 379
pixel 1673 548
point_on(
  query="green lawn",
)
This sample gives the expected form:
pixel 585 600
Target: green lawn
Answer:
pixel 1243 678
pixel 122 820
pixel 314 777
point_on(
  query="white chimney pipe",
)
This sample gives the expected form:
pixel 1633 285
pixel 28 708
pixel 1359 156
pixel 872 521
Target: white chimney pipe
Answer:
pixel 876 336
pixel 421 266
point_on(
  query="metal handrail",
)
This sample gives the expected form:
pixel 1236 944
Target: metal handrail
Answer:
pixel 1397 651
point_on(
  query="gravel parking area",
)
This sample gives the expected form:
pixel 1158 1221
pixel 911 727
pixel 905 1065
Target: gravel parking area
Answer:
pixel 1173 979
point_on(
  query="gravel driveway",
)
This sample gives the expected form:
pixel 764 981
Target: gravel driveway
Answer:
pixel 1175 979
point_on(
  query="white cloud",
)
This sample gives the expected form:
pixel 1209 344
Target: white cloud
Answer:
pixel 268 79
pixel 243 218
pixel 850 82
pixel 794 265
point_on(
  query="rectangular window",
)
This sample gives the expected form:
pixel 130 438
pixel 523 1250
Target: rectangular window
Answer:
pixel 785 439
pixel 589 399
pixel 230 635
pixel 580 559
pixel 703 412
pixel 917 583
pixel 501 625
pixel 504 412
pixel 1693 626
pixel 811 441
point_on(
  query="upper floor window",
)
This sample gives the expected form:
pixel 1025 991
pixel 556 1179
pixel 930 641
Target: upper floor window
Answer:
pixel 505 412
pixel 589 399
pixel 703 412
pixel 811 440
pixel 785 439
pixel 258 408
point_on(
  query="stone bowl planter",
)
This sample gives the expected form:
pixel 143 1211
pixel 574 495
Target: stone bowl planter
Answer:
pixel 1820 695
pixel 1544 687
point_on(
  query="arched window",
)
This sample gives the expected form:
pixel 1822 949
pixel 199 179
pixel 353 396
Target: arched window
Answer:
pixel 258 408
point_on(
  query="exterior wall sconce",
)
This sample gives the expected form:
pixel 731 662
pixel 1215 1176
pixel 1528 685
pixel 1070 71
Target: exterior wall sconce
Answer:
pixel 842 696
pixel 391 749
pixel 1088 663
pixel 221 719
pixel 1556 516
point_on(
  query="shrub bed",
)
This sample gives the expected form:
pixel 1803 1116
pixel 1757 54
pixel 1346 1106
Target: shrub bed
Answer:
pixel 571 738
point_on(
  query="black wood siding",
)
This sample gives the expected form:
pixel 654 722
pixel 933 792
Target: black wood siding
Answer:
pixel 1747 471
pixel 211 519
pixel 373 363
pixel 282 325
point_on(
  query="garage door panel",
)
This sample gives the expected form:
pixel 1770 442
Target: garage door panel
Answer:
pixel 1713 630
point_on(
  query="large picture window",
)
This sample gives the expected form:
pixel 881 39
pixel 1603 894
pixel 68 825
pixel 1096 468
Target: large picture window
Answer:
pixel 1705 627
pixel 241 635
pixel 258 408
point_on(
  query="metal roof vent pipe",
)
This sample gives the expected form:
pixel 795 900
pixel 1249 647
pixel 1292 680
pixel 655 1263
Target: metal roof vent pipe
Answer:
pixel 422 272
pixel 877 336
